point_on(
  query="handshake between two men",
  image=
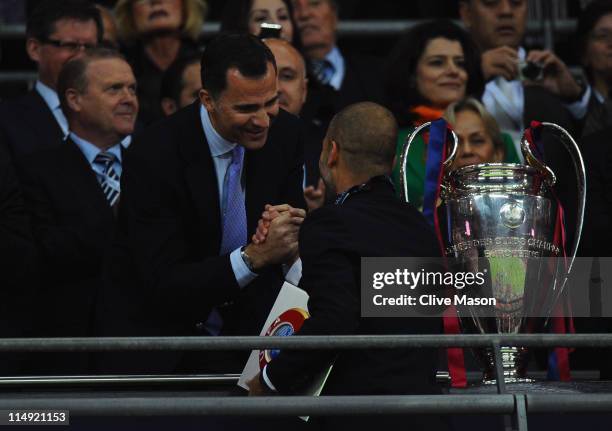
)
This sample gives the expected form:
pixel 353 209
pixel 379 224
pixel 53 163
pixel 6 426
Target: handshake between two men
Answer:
pixel 276 238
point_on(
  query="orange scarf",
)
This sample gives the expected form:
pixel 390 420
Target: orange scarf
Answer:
pixel 424 114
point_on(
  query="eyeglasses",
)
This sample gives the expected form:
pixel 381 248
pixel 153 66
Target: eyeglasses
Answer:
pixel 68 46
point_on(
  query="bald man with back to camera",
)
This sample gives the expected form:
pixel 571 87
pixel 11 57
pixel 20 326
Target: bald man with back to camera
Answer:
pixel 362 217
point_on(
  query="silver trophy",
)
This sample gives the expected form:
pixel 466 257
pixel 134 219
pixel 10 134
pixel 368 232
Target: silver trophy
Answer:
pixel 501 220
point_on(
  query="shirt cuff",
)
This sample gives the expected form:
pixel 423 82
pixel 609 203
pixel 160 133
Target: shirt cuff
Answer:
pixel 266 380
pixel 293 273
pixel 579 108
pixel 242 273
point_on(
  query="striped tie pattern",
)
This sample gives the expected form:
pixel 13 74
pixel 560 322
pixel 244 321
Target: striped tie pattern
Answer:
pixel 109 180
pixel 322 70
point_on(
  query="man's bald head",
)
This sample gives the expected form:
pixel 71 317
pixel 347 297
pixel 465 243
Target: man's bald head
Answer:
pixel 366 134
pixel 291 75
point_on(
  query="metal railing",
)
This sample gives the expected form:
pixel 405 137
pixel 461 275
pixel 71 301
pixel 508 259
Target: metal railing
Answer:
pixel 515 406
pixel 346 28
pixel 331 342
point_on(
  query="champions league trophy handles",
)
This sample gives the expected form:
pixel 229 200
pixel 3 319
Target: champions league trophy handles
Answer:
pixel 574 151
pixel 406 150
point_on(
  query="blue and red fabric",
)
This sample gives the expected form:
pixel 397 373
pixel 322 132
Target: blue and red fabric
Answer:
pixel 558 359
pixel 436 154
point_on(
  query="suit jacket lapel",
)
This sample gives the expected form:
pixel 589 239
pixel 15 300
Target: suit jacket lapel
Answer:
pixel 82 178
pixel 200 177
pixel 47 128
pixel 256 185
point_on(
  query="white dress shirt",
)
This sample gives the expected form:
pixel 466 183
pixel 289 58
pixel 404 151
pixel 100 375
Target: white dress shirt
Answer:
pixel 337 61
pixel 90 151
pixel 505 101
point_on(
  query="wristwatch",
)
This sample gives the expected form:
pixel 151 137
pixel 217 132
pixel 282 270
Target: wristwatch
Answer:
pixel 247 260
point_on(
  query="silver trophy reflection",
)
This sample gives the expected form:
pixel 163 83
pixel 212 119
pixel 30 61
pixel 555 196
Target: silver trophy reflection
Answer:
pixel 501 220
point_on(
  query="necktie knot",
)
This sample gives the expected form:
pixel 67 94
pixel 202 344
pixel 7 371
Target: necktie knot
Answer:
pixel 237 155
pixel 322 70
pixel 105 159
pixel 109 180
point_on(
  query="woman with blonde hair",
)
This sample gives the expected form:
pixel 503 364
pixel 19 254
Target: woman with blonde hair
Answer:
pixel 480 139
pixel 154 34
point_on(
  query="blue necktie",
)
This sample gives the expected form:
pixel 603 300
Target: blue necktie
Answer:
pixel 234 223
pixel 234 211
pixel 323 71
pixel 109 180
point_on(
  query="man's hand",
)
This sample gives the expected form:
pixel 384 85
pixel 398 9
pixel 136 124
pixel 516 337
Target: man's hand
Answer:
pixel 269 214
pixel 281 242
pixel 315 198
pixel 256 388
pixel 502 61
pixel 557 77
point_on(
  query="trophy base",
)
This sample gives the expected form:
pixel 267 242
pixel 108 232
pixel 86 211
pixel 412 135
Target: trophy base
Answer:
pixel 513 366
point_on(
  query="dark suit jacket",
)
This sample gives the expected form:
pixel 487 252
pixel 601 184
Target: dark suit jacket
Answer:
pixel 72 226
pixel 313 144
pixel 596 240
pixel 332 241
pixel 17 254
pixel 362 82
pixel 541 105
pixel 167 251
pixel 16 247
pixel 27 125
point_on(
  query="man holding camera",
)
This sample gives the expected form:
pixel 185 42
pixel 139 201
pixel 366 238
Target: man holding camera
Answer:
pixel 522 86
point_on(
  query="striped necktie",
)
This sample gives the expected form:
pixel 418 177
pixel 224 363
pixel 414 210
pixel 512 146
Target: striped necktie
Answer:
pixel 322 70
pixel 109 179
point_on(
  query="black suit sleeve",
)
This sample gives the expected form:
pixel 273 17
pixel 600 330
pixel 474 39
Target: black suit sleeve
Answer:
pixel 333 303
pixel 16 246
pixel 156 225
pixel 65 249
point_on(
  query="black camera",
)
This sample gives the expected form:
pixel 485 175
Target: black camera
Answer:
pixel 531 71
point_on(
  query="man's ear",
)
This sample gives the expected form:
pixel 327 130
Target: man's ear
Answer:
pixel 207 100
pixel 33 47
pixel 168 106
pixel 334 153
pixel 73 99
pixel 465 13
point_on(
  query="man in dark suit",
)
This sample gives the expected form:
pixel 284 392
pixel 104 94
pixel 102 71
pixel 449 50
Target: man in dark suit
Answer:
pixel 513 95
pixel 365 219
pixel 71 192
pixel 17 254
pixel 595 242
pixel 195 186
pixel 56 32
pixel 337 79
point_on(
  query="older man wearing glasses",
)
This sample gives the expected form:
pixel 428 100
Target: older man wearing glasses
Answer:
pixel 56 32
